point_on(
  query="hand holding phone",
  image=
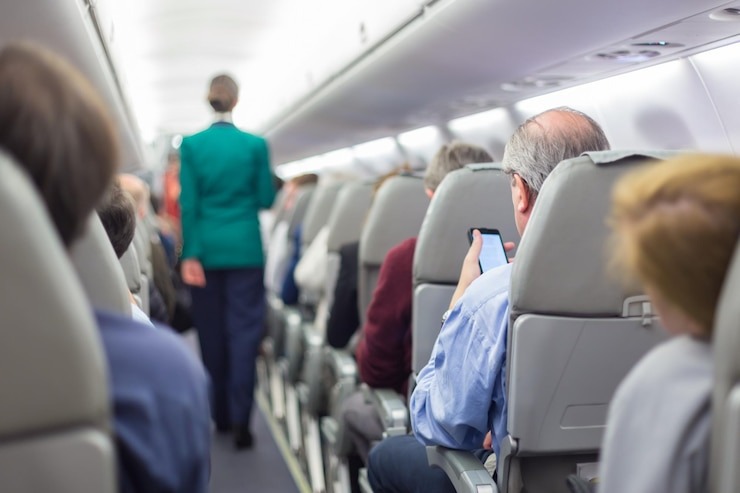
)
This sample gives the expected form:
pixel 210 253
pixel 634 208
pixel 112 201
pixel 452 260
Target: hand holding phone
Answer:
pixel 493 253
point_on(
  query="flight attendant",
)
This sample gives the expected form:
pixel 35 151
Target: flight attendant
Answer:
pixel 225 180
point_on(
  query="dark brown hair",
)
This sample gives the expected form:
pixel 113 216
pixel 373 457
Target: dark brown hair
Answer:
pixel 118 216
pixel 55 125
pixel 223 94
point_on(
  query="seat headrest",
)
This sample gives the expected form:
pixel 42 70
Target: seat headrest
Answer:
pixel 52 367
pixel 131 269
pixel 726 342
pixel 476 196
pixel 317 214
pixel 99 271
pixel 300 206
pixel 561 264
pixel 396 214
pixel 348 214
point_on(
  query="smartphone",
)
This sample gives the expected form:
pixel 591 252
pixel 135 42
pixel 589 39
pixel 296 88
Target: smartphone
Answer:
pixel 493 253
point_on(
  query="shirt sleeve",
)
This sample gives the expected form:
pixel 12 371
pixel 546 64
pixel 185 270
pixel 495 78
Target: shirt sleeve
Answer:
pixel 189 201
pixel 381 355
pixel 265 185
pixel 459 395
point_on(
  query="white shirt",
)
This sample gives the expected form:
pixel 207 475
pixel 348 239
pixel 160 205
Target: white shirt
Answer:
pixel 139 315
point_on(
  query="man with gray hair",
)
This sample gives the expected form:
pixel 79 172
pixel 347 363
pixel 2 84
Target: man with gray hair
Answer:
pixel 467 409
pixel 384 352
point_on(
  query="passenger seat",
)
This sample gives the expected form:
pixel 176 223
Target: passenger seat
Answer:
pixel 55 420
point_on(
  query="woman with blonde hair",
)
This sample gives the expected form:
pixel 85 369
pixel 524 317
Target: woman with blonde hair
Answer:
pixel 675 228
pixel 225 180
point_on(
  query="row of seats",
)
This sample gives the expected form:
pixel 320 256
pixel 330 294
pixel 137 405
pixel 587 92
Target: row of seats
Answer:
pixel 584 340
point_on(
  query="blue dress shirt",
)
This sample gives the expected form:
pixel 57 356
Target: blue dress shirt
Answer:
pixel 461 393
pixel 161 415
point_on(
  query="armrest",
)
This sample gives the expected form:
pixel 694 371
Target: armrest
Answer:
pixel 391 408
pixel 465 471
pixel 342 364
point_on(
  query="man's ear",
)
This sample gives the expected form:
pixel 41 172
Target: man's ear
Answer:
pixel 522 195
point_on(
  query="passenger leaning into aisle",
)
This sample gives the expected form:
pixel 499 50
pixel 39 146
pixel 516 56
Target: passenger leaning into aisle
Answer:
pixel 159 391
pixel 116 212
pixel 675 227
pixel 455 408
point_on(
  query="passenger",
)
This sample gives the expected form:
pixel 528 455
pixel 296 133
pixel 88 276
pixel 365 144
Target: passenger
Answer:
pixel 384 352
pixel 453 404
pixel 116 212
pixel 675 227
pixel 161 290
pixel 225 179
pixel 57 128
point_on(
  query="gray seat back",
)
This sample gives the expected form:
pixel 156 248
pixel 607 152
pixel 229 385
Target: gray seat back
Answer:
pixel 300 207
pixel 345 226
pixel 99 271
pixel 131 269
pixel 574 330
pixel 55 416
pixel 318 211
pixel 724 475
pixel 396 214
pixel 476 196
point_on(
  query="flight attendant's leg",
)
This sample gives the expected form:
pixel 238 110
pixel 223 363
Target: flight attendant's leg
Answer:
pixel 208 310
pixel 245 313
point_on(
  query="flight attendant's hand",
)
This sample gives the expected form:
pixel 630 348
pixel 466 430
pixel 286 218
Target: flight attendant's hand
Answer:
pixel 192 273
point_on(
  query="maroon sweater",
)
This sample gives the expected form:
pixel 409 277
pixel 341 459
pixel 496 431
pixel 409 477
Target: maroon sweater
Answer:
pixel 384 352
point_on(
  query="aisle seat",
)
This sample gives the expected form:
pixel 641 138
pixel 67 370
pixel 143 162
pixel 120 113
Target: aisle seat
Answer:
pixel 574 332
pixel 55 420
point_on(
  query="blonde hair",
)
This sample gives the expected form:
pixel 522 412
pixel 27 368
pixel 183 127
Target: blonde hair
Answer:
pixel 675 228
pixel 223 93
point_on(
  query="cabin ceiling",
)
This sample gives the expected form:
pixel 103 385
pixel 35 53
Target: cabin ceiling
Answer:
pixel 326 74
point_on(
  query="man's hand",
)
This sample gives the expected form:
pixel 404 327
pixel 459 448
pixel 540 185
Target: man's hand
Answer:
pixel 488 441
pixel 192 273
pixel 471 269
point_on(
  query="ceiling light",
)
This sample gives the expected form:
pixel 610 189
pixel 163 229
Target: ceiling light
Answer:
pixel 728 14
pixel 543 82
pixel 419 137
pixel 626 56
pixel 375 148
pixel 658 44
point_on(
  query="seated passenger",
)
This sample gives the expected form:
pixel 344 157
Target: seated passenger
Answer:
pixel 161 289
pixel 116 212
pixel 675 228
pixel 58 130
pixel 384 352
pixel 453 404
pixel 280 249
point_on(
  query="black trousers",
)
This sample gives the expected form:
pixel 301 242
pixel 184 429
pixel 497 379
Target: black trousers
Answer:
pixel 228 314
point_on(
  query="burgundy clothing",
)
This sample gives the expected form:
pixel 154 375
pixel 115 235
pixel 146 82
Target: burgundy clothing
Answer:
pixel 384 353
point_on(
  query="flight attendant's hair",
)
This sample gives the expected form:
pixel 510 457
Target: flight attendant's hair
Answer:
pixel 55 125
pixel 675 228
pixel 223 94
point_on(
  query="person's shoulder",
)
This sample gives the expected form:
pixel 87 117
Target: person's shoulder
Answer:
pixel 156 349
pixel 403 250
pixel 254 139
pixel 491 285
pixel 671 366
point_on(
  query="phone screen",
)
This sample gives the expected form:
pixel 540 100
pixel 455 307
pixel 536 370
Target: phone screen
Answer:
pixel 492 254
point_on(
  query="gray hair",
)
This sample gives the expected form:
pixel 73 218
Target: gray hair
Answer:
pixel 535 149
pixel 450 157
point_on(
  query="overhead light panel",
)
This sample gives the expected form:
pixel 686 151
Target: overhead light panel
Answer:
pixel 375 148
pixel 421 137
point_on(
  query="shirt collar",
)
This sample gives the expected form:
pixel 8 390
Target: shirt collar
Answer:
pixel 224 117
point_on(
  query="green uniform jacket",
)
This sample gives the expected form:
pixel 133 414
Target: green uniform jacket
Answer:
pixel 226 179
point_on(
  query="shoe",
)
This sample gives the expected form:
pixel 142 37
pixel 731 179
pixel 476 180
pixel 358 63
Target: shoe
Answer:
pixel 243 438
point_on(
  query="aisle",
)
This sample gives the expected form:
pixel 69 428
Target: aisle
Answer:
pixel 260 469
